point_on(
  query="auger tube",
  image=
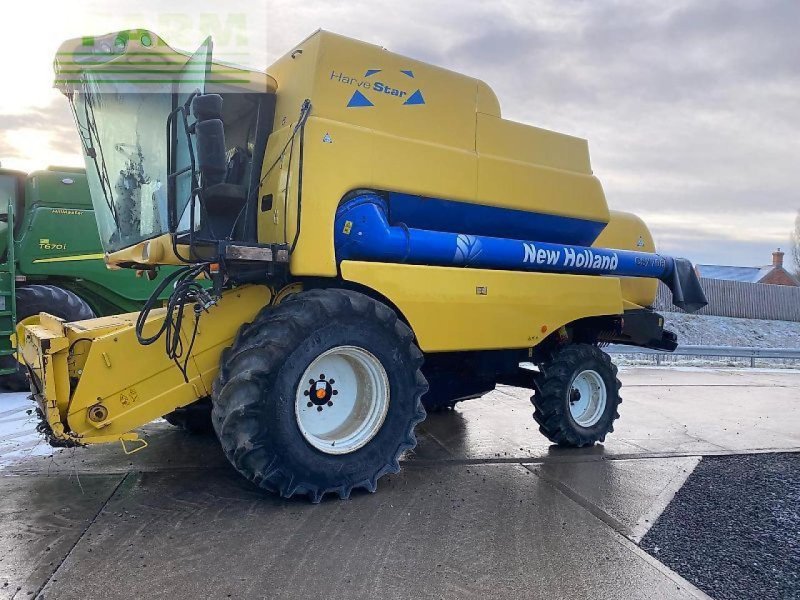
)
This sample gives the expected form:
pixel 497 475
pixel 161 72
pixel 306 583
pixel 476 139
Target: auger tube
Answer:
pixel 363 232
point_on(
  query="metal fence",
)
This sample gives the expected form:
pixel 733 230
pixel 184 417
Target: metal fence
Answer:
pixel 713 352
pixel 742 300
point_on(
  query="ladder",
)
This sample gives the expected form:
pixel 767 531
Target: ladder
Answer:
pixel 8 301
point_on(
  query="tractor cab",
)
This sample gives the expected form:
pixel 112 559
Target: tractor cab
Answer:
pixel 173 148
pixel 12 191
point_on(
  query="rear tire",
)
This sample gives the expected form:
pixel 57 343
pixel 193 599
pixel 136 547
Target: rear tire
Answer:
pixel 577 396
pixel 268 395
pixel 35 299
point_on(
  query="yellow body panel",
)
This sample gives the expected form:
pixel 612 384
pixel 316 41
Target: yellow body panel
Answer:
pixel 135 384
pixel 532 145
pixel 158 251
pixel 452 309
pixel 626 231
pixel 19 330
pixel 453 146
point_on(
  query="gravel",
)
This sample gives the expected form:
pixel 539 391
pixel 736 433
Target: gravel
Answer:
pixel 734 528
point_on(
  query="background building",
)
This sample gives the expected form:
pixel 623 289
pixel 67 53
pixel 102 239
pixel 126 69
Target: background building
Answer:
pixel 774 274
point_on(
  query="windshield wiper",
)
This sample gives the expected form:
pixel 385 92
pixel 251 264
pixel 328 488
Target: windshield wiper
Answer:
pixel 90 140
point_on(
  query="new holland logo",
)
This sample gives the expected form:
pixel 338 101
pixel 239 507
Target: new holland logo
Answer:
pixel 371 89
pixel 566 257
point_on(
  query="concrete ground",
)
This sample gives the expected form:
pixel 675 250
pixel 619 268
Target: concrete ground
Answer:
pixel 483 508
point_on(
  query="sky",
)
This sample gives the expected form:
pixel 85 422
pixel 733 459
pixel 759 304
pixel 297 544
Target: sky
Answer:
pixel 691 108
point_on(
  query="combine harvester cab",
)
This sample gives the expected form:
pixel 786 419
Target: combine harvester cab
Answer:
pixel 380 241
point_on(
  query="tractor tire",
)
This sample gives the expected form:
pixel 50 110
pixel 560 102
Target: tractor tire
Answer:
pixel 577 396
pixel 324 367
pixel 32 300
pixel 195 418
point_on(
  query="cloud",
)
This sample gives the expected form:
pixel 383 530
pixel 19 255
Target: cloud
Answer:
pixel 39 137
pixel 690 107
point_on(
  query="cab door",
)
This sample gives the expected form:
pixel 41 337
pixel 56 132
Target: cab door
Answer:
pixel 184 214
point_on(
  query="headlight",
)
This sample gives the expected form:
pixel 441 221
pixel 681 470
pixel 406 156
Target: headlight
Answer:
pixel 101 49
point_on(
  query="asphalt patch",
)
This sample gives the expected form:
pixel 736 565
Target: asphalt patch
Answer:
pixel 734 528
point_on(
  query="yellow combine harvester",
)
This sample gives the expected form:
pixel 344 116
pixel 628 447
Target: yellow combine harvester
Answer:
pixel 372 229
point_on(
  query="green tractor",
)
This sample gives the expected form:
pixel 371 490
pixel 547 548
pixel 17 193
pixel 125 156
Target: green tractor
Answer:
pixel 51 260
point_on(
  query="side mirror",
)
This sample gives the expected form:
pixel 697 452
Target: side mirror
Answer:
pixel 207 106
pixel 210 138
pixel 197 156
pixel 211 161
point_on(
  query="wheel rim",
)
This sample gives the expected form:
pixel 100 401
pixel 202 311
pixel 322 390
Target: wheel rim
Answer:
pixel 342 400
pixel 588 398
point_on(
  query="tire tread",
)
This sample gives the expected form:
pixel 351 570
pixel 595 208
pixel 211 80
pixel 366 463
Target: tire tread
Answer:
pixel 251 364
pixel 551 413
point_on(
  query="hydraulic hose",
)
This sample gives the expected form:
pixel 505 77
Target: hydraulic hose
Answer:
pixel 186 290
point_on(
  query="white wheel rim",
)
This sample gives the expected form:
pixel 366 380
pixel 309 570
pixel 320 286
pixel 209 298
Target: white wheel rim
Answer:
pixel 588 398
pixel 342 400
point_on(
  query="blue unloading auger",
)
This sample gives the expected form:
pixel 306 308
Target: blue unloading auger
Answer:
pixel 363 232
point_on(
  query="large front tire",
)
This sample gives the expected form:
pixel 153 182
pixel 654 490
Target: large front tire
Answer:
pixel 577 396
pixel 32 300
pixel 295 431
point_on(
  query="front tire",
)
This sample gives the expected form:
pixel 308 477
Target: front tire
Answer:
pixel 320 394
pixel 32 300
pixel 577 396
